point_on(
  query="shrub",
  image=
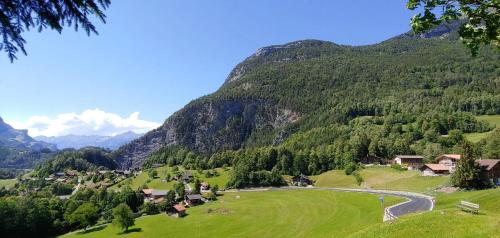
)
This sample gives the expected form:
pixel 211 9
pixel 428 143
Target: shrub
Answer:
pixel 397 167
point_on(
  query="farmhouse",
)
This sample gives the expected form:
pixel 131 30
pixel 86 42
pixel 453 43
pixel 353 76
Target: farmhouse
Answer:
pixel 301 180
pixel 185 177
pixel 448 159
pixel 492 167
pixel 412 162
pixel 205 186
pixel 147 192
pixel 435 169
pixel 193 199
pixel 179 210
pixel 156 194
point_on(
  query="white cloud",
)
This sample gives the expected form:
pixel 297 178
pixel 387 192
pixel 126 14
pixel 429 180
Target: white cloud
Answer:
pixel 89 122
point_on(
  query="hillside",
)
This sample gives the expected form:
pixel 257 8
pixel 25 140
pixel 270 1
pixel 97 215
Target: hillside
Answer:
pixel 19 150
pixel 296 88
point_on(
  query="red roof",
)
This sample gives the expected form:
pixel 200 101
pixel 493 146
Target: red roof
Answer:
pixel 488 163
pixel 179 208
pixel 437 167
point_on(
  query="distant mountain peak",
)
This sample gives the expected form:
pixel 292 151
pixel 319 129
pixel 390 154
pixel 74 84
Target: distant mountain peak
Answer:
pixel 81 141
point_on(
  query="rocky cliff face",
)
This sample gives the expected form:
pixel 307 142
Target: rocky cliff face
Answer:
pixel 208 126
pixel 19 139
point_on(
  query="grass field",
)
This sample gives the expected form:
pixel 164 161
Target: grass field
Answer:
pixel 7 183
pixel 157 183
pixel 447 220
pixel 264 214
pixel 379 177
pixel 494 120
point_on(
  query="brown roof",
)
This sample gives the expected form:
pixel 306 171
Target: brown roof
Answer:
pixel 488 163
pixel 147 191
pixel 437 167
pixel 453 156
pixel 179 208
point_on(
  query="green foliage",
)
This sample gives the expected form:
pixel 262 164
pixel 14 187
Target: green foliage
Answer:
pixel 481 27
pixel 197 186
pixel 180 190
pixel 84 216
pixel 468 174
pixel 351 168
pixel 150 208
pixel 359 178
pixel 84 159
pixel 492 145
pixel 152 173
pixel 123 217
pixel 19 16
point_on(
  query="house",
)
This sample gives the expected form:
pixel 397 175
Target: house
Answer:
pixel 205 186
pixel 412 162
pixel 156 194
pixel 435 169
pixel 186 177
pixel 492 168
pixel 147 192
pixel 193 199
pixel 301 180
pixel 448 159
pixel 72 173
pixel 59 174
pixel 179 210
pixel 372 159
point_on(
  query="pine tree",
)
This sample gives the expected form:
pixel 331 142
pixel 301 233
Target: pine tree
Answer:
pixel 468 174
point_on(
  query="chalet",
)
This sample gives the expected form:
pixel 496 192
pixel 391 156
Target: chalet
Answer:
pixel 147 192
pixel 72 173
pixel 186 177
pixel 372 159
pixel 193 199
pixel 103 171
pixel 412 162
pixel 492 168
pixel 301 180
pixel 435 169
pixel 448 159
pixel 59 174
pixel 156 194
pixel 179 210
pixel 205 186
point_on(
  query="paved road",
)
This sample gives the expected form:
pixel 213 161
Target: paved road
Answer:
pixel 416 202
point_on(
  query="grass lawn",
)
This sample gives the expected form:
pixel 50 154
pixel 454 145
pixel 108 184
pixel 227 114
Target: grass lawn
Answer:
pixel 264 214
pixel 447 220
pixel 380 177
pixel 7 183
pixel 157 183
pixel 494 120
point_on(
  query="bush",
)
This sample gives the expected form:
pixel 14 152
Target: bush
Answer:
pixel 150 208
pixel 350 168
pixel 359 179
pixel 397 167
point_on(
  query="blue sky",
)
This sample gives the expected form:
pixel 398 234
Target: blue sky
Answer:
pixel 154 56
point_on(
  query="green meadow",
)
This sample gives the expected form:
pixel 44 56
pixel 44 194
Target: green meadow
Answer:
pixel 381 177
pixel 7 183
pixel 494 120
pixel 446 220
pixel 263 214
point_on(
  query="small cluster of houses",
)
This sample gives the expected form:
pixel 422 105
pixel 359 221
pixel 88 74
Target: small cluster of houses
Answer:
pixel 446 164
pixel 62 177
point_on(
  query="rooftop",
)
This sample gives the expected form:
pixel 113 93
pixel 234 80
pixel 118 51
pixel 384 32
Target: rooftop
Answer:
pixel 194 197
pixel 488 163
pixel 437 167
pixel 453 156
pixel 409 156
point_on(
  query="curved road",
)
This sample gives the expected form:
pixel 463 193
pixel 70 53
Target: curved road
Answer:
pixel 416 202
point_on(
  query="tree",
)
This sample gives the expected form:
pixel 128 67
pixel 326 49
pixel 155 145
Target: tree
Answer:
pixel 197 186
pixel 123 216
pixel 17 16
pixel 482 24
pixel 468 174
pixel 153 173
pixel 85 215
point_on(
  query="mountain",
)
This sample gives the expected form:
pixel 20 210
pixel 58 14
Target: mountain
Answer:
pixel 81 141
pixel 285 89
pixel 19 150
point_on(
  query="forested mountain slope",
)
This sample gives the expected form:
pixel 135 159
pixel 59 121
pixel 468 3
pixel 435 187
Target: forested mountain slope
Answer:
pixel 299 87
pixel 19 150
